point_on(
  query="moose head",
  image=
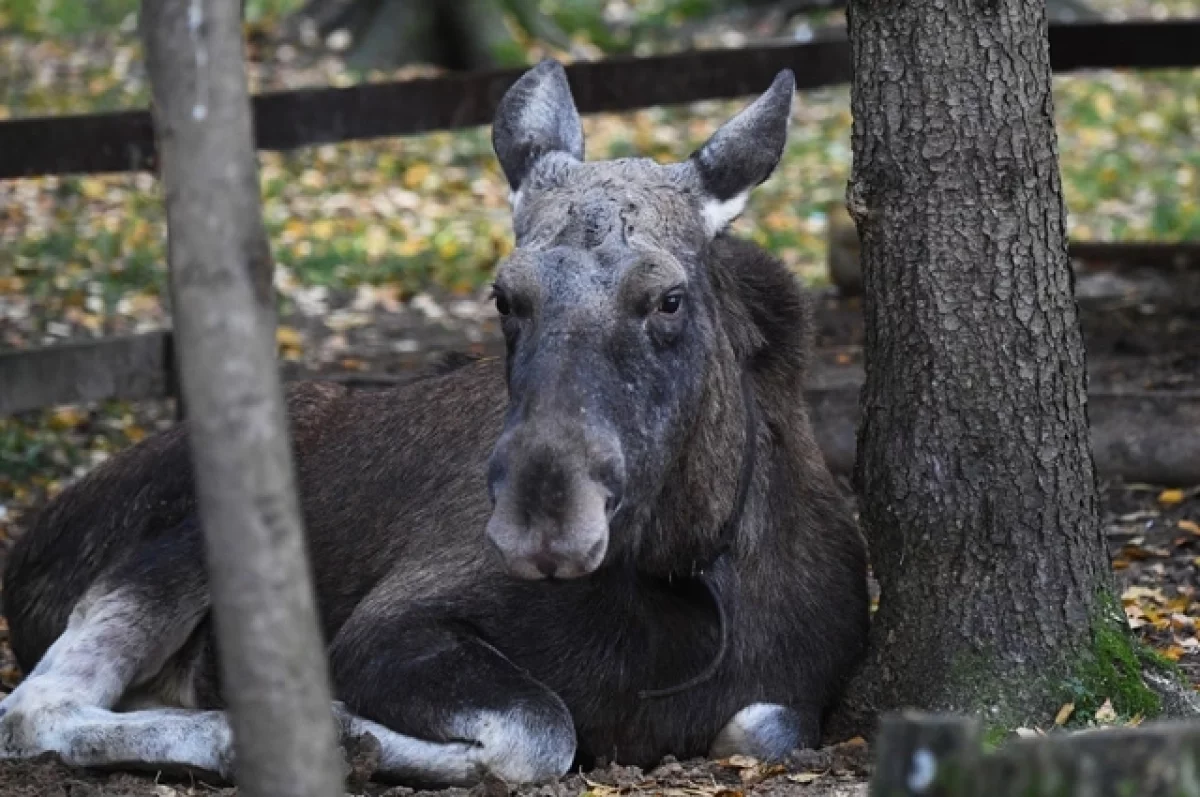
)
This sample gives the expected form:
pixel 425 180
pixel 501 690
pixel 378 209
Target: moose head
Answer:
pixel 610 318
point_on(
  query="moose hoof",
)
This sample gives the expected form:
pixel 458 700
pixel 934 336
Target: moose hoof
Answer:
pixel 766 731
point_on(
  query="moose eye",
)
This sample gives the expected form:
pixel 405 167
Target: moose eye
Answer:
pixel 502 305
pixel 671 303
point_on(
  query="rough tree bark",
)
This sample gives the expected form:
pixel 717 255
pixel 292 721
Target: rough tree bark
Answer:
pixel 274 673
pixel 976 480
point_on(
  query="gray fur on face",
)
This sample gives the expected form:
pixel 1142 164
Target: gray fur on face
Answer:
pixel 599 246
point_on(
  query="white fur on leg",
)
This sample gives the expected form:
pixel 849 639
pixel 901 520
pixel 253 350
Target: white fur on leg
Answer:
pixel 166 739
pixel 507 745
pixel 766 731
pixel 112 641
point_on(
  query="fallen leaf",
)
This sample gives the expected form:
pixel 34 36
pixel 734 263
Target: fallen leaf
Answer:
pixel 287 336
pixel 289 342
pixel 1190 526
pixel 1064 714
pixel 66 418
pixel 1106 712
pixel 1170 497
pixel 805 777
pixel 1174 652
pixel 1027 733
pixel 1137 593
pixel 739 762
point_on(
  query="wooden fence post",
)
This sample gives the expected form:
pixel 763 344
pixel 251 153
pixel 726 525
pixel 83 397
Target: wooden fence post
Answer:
pixel 274 671
pixel 931 755
pixel 924 754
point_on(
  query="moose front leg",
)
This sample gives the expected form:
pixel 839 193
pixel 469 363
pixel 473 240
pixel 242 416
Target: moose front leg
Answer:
pixel 446 707
pixel 766 731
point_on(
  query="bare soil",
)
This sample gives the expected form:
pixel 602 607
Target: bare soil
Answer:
pixel 839 771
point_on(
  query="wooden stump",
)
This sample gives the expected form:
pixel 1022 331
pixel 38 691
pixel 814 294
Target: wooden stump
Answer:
pixel 940 756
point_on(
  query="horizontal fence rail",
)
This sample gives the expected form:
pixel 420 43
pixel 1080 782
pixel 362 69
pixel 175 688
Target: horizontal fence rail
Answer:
pixel 140 366
pixel 123 141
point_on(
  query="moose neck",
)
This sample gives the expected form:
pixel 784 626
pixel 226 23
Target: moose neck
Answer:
pixel 699 514
pixel 712 569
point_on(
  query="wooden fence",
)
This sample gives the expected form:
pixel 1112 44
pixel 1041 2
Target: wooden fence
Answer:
pixel 140 366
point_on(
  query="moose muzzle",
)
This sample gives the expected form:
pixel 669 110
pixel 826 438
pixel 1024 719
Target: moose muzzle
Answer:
pixel 554 490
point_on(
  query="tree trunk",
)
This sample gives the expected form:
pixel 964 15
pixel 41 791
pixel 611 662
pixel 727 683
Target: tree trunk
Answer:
pixel 455 34
pixel 273 668
pixel 976 479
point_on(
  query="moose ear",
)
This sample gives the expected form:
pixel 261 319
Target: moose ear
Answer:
pixel 743 152
pixel 537 116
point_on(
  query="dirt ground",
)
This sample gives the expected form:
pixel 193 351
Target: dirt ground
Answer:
pixel 834 772
pixel 1141 333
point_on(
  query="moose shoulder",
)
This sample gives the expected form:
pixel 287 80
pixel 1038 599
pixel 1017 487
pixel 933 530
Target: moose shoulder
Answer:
pixel 620 540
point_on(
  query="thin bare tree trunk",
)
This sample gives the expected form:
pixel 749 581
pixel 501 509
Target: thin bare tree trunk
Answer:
pixel 274 673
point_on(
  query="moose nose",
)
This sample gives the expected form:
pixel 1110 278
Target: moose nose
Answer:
pixel 539 549
pixel 552 503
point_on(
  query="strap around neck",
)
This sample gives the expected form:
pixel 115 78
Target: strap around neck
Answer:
pixel 729 529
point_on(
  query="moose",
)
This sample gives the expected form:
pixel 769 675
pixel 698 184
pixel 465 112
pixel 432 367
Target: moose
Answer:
pixel 618 541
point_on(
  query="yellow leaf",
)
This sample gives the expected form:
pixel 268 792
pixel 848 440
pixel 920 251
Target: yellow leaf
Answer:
pixel 447 249
pixel 416 175
pixel 1190 526
pixel 293 228
pixel 1064 714
pixel 92 187
pixel 1170 497
pixel 410 246
pixel 66 418
pixel 286 336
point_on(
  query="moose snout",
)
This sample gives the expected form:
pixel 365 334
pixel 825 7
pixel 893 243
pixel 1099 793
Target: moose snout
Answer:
pixel 552 505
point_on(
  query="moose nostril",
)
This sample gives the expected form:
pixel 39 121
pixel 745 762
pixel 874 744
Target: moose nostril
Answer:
pixel 545 564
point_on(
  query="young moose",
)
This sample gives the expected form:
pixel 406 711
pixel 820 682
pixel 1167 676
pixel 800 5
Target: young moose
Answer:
pixel 621 541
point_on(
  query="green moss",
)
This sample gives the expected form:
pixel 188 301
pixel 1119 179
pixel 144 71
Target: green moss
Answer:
pixel 994 736
pixel 1108 666
pixel 1112 670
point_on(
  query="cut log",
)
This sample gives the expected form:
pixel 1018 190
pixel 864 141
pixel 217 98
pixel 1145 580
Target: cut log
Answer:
pixel 1145 436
